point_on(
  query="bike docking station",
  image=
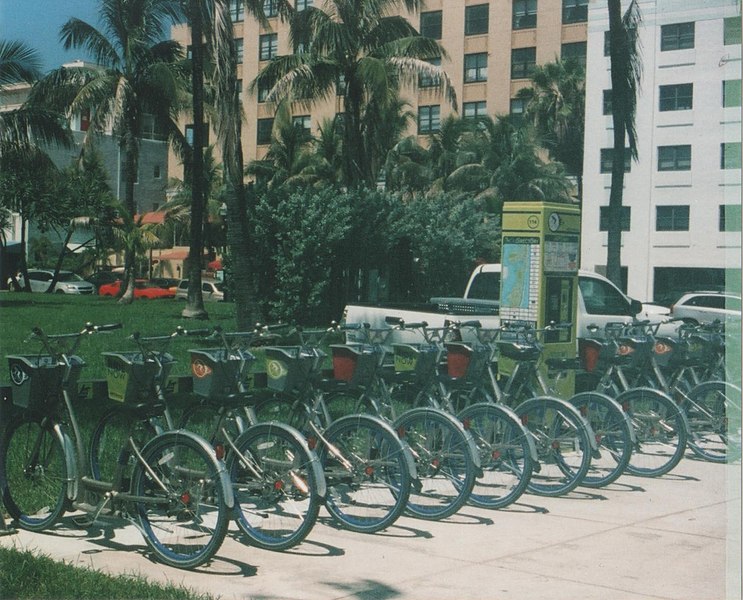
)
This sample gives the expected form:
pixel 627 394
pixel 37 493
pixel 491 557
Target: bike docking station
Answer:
pixel 540 254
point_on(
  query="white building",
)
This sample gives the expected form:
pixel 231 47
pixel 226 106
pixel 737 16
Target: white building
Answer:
pixel 682 198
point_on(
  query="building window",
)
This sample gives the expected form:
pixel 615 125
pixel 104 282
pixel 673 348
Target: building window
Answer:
pixel 731 34
pixel 303 4
pixel 524 14
pixel 240 91
pixel 676 97
pixel 431 24
pixel 606 160
pixel 189 134
pixel 156 173
pixel 304 121
pixel 476 19
pixel 518 109
pixel 263 90
pixel 674 158
pixel 624 218
pixel 268 45
pixel 672 218
pixel 677 36
pixel 731 92
pixel 270 9
pixel 475 67
pixel 574 11
pixel 730 155
pixel 237 11
pixel 239 50
pixel 730 217
pixel 471 110
pixel 575 51
pixel 429 118
pixel 427 81
pixel 265 127
pixel 523 61
pixel 340 85
pixel 606 103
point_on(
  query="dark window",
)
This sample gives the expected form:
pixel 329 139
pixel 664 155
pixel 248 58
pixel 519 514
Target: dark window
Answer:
pixel 265 126
pixel 676 97
pixel 730 155
pixel 606 158
pixel 624 218
pixel 518 109
pixel 677 36
pixel 574 11
pixel 602 298
pixel 426 81
pixel 239 49
pixel 303 4
pixel 731 92
pixel 672 218
pixel 476 19
pixel 731 34
pixel 523 61
pixel 730 217
pixel 268 45
pixel 606 103
pixel 270 9
pixel 304 121
pixel 340 85
pixel 431 24
pixel 240 91
pixel 189 134
pixel 674 158
pixel 263 89
pixel 156 173
pixel 524 14
pixel 575 51
pixel 429 118
pixel 237 11
pixel 471 110
pixel 475 67
pixel 485 286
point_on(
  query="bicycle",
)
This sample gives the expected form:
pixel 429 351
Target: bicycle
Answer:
pixel 176 493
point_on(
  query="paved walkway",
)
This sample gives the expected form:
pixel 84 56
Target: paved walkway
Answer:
pixel 677 537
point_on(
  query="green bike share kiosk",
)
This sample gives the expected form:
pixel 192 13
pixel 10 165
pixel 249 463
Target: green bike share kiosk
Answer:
pixel 540 256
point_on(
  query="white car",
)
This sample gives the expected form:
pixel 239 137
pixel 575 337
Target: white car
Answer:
pixel 67 282
pixel 211 290
pixel 707 306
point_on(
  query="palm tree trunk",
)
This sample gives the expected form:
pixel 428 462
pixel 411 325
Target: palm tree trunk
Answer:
pixel 130 175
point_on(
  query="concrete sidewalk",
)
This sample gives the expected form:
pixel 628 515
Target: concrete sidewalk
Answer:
pixel 677 537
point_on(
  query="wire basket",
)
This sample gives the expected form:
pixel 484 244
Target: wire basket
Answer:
pixel 416 361
pixel 287 367
pixel 216 372
pixel 353 363
pixel 132 379
pixel 37 380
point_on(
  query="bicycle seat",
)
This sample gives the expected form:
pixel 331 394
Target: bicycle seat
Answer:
pixel 519 351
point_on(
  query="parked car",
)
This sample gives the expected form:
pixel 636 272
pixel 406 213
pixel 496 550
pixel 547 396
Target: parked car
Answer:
pixel 707 306
pixel 165 282
pixel 211 290
pixel 142 289
pixel 100 278
pixel 67 282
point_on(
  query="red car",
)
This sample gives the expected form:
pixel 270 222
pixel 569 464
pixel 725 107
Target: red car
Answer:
pixel 142 289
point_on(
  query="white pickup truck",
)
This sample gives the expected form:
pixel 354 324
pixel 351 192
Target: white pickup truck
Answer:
pixel 599 302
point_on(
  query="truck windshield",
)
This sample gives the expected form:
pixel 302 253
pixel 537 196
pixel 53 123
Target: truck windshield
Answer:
pixel 485 286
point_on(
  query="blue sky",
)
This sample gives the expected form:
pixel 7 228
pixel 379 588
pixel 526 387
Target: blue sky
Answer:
pixel 37 23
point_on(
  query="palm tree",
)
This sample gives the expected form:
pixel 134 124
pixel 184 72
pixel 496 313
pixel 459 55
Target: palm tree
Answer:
pixel 136 72
pixel 625 80
pixel 354 48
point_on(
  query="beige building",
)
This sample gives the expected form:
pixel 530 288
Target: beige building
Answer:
pixel 491 48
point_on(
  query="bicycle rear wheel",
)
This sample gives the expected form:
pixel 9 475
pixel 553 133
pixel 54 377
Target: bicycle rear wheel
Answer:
pixel 278 486
pixel 368 473
pixel 34 476
pixel 446 462
pixel 213 424
pixel 614 437
pixel 505 453
pixel 183 513
pixel 660 428
pixel 711 408
pixel 563 440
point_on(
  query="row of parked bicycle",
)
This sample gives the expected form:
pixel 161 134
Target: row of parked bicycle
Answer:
pixel 271 435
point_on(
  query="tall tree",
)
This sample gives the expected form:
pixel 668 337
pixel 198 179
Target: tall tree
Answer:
pixel 626 71
pixel 358 49
pixel 136 72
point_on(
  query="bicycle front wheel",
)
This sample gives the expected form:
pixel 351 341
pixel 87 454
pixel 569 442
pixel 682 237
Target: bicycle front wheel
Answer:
pixel 446 462
pixel 34 475
pixel 278 486
pixel 180 500
pixel 368 473
pixel 563 442
pixel 505 454
pixel 711 408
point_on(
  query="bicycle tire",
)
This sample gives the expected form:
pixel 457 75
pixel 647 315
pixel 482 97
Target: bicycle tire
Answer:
pixel 614 436
pixel 367 470
pixel 185 516
pixel 35 473
pixel 563 441
pixel 661 431
pixel 446 462
pixel 278 486
pixel 505 451
pixel 711 409
pixel 211 423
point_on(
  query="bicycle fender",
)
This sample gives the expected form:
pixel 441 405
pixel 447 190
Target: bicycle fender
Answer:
pixel 570 408
pixel 69 456
pixel 513 416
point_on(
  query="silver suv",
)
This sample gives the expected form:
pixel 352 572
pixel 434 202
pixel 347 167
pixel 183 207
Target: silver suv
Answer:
pixel 705 307
pixel 211 290
pixel 67 282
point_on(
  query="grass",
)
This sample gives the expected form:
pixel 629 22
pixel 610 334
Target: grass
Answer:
pixel 26 576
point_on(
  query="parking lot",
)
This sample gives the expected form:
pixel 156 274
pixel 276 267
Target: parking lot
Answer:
pixel 677 537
